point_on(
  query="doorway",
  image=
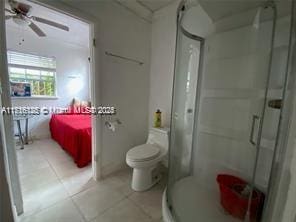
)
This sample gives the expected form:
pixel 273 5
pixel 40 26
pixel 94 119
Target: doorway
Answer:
pixel 45 160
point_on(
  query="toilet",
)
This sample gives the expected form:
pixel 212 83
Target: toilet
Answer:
pixel 146 158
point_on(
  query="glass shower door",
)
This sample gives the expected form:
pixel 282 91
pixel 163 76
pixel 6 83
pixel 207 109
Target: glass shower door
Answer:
pixel 216 127
pixel 185 89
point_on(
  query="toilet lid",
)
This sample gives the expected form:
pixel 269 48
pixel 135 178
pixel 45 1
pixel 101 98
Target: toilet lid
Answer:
pixel 143 152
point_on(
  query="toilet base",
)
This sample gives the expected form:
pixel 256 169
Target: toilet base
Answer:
pixel 144 178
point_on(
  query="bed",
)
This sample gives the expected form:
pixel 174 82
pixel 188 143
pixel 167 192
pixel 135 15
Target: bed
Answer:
pixel 73 133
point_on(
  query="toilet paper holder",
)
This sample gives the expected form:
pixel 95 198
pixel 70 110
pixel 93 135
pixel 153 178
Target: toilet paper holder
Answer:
pixel 112 124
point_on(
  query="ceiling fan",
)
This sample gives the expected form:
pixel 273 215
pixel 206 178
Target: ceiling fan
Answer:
pixel 20 14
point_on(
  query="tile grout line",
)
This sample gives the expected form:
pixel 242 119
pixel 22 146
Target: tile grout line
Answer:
pixel 68 192
pixel 52 168
pixel 113 205
pixel 140 207
pixel 46 208
pixel 32 212
pixel 62 177
pixel 51 165
pixel 71 197
pixel 104 211
pixel 80 191
pixel 78 210
pixel 28 173
pixel 124 197
pixel 58 179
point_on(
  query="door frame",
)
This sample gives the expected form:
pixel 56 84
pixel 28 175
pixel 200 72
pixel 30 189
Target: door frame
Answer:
pixel 9 154
pixel 12 172
pixel 94 75
pixel 7 210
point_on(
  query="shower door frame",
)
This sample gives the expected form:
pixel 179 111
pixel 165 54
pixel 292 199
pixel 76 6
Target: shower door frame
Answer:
pixel 281 146
pixel 196 111
pixel 257 143
pixel 199 81
pixel 201 40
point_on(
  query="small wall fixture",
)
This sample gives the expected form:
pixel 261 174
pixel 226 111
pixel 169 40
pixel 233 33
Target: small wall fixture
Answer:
pixel 275 103
pixel 112 125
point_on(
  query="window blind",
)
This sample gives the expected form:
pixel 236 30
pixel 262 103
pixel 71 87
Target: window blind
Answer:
pixel 18 58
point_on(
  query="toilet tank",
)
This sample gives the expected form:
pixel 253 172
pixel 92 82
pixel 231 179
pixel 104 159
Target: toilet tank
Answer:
pixel 159 136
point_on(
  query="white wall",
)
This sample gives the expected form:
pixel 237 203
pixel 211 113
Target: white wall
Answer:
pixel 282 200
pixel 232 92
pixel 72 60
pixel 288 183
pixel 120 83
pixel 289 213
pixel 162 62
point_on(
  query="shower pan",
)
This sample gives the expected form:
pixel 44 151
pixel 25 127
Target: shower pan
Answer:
pixel 230 77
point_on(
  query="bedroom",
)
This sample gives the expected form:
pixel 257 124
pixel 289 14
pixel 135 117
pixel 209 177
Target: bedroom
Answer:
pixel 56 64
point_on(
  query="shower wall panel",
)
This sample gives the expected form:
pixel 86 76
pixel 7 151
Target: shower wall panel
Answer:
pixel 232 91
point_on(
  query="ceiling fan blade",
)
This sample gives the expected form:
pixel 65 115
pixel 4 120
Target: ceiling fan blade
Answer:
pixel 9 17
pixel 51 23
pixel 37 30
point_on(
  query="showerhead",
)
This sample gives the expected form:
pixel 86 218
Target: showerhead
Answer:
pixel 256 21
pixel 257 18
pixel 186 4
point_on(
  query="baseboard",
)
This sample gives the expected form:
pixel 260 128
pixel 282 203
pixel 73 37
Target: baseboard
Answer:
pixel 112 168
pixel 40 137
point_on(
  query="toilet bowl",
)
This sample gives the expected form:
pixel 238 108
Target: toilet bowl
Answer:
pixel 146 158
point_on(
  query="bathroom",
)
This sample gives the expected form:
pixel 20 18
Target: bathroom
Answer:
pixel 206 107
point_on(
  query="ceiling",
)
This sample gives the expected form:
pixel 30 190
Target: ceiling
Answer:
pixel 154 5
pixel 220 9
pixel 144 8
pixel 77 35
pixel 216 9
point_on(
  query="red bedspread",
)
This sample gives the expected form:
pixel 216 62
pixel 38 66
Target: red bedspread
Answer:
pixel 73 133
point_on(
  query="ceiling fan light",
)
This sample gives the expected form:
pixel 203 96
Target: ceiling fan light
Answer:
pixel 21 21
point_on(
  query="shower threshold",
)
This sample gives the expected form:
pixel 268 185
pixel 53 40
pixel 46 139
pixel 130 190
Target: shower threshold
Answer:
pixel 196 203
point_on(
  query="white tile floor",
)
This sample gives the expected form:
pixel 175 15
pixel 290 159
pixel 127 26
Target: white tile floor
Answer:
pixel 55 190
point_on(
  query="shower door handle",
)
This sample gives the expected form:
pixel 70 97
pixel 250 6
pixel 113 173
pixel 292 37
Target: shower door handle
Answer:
pixel 254 119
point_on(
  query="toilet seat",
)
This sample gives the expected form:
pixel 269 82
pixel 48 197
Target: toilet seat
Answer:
pixel 143 152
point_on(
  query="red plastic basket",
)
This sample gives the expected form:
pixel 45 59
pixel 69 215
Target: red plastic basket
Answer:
pixel 236 204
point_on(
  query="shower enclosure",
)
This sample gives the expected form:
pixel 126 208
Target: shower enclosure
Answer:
pixel 229 85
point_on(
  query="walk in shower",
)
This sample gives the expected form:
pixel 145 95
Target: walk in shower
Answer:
pixel 230 76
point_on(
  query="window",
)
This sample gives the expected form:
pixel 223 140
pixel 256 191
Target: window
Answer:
pixel 39 71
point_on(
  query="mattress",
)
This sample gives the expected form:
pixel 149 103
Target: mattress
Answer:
pixel 73 134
